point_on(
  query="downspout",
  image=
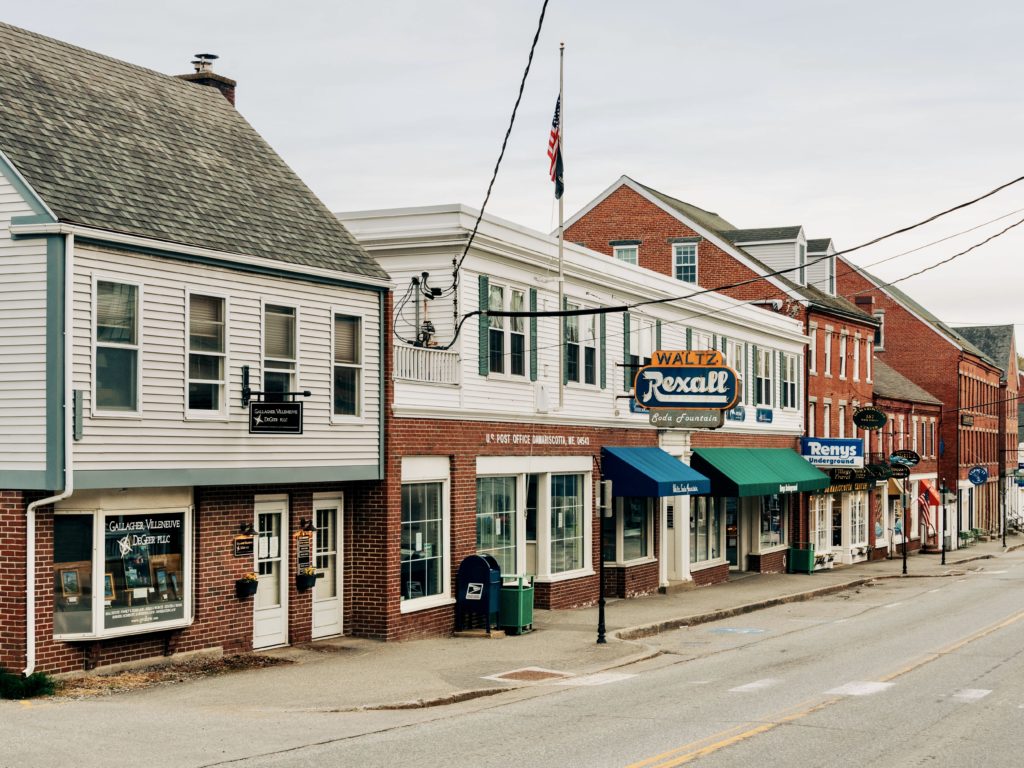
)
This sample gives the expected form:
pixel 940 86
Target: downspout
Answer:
pixel 69 482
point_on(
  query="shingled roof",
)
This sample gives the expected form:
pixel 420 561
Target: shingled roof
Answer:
pixel 895 386
pixel 819 244
pixel 116 147
pixel 996 341
pixel 762 234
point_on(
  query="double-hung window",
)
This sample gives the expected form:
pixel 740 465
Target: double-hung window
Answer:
pixel 736 353
pixel 496 343
pixel 206 354
pixel 812 350
pixel 856 358
pixel 789 386
pixel 348 365
pixel 880 331
pixel 641 343
pixel 517 334
pixel 117 347
pixel 763 377
pixel 685 262
pixel 626 253
pixel 581 347
pixel 422 540
pixel 506 340
pixel 279 351
pixel 842 355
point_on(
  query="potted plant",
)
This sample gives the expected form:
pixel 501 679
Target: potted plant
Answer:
pixel 306 578
pixel 247 585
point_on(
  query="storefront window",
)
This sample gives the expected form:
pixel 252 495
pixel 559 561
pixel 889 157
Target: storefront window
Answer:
pixel 821 510
pixel 142 572
pixel 496 520
pixel 771 520
pixel 705 530
pixel 859 518
pixel 837 525
pixel 422 553
pixel 566 523
pixel 634 528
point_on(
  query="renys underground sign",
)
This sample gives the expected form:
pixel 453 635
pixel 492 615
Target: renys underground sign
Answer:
pixel 690 380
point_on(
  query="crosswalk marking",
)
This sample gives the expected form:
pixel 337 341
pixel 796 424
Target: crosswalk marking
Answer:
pixel 859 688
pixel 757 685
pixel 971 694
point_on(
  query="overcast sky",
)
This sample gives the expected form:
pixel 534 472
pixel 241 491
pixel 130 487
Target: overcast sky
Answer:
pixel 850 118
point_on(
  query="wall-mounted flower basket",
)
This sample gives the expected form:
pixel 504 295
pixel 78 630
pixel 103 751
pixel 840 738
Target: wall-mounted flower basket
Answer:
pixel 246 588
pixel 305 581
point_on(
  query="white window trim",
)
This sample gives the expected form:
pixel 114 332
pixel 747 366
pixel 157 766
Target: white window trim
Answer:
pixel 880 316
pixel 769 378
pixel 812 409
pixel 856 356
pixel 617 248
pixel 620 521
pixel 139 338
pixel 828 352
pixel 506 329
pixel 296 385
pixel 359 417
pixel 786 357
pixel 581 343
pixel 844 345
pixel 98 566
pixel 696 262
pixel 432 469
pixel 868 352
pixel 224 412
pixel 812 350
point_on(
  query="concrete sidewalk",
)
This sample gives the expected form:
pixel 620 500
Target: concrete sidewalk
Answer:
pixel 348 674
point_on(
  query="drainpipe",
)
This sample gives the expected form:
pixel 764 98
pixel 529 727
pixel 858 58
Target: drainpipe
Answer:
pixel 69 482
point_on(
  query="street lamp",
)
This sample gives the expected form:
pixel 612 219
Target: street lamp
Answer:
pixel 607 507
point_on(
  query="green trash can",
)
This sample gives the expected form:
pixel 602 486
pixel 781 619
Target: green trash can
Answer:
pixel 515 604
pixel 801 558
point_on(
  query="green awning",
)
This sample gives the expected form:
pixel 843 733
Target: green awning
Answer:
pixel 757 471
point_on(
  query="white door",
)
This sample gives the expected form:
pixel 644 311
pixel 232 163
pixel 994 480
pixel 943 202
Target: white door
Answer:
pixel 329 559
pixel 270 608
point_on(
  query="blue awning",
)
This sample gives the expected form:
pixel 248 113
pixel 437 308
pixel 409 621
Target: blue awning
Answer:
pixel 650 472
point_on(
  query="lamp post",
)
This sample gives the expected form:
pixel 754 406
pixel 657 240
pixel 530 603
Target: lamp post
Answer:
pixel 606 511
pixel 906 524
pixel 944 491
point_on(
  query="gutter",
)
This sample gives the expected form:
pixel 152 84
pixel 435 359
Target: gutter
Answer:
pixel 119 238
pixel 69 475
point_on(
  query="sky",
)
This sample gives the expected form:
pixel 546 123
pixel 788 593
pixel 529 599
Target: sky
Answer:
pixel 852 119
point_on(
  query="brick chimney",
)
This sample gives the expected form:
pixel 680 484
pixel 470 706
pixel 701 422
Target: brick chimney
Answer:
pixel 864 301
pixel 204 75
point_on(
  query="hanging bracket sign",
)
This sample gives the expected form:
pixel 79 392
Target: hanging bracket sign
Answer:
pixel 679 384
pixel 275 418
pixel 977 475
pixel 869 417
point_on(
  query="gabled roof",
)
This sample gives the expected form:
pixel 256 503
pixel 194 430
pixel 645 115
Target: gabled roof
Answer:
pixel 764 234
pixel 996 341
pixel 923 314
pixel 819 245
pixel 706 219
pixel 116 147
pixel 895 386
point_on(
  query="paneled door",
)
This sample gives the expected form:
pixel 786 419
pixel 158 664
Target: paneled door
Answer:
pixel 270 606
pixel 327 594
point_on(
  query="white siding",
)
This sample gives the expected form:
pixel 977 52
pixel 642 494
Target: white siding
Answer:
pixel 22 340
pixel 776 256
pixel 161 437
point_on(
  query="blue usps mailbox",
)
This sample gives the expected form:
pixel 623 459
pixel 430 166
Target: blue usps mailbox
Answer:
pixel 478 590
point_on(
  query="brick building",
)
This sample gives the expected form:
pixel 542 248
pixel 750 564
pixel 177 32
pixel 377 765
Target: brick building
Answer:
pixel 778 270
pixel 944 363
pixel 504 445
pixel 162 267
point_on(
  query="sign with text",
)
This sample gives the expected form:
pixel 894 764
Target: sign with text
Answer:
pixel 243 546
pixel 669 418
pixel 977 475
pixel 833 451
pixel 303 550
pixel 906 457
pixel 900 471
pixel 275 418
pixel 869 417
pixel 686 380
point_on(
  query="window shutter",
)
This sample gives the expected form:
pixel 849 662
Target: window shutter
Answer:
pixel 604 353
pixel 533 335
pixel 723 346
pixel 565 345
pixel 752 378
pixel 689 338
pixel 777 384
pixel 627 379
pixel 657 334
pixel 484 352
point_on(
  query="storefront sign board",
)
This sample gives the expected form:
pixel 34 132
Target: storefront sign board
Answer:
pixel 668 418
pixel 243 546
pixel 833 451
pixel 686 380
pixel 275 418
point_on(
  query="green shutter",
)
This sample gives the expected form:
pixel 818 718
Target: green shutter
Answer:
pixel 533 335
pixel 714 341
pixel 777 384
pixel 752 378
pixel 604 353
pixel 689 338
pixel 565 345
pixel 484 326
pixel 657 334
pixel 627 378
pixel 723 346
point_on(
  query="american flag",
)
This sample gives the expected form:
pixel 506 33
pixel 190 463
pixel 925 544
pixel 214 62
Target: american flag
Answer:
pixel 922 501
pixel 555 150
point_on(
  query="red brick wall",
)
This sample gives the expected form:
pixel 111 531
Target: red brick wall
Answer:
pixel 713 575
pixel 773 562
pixel 12 580
pixel 631 580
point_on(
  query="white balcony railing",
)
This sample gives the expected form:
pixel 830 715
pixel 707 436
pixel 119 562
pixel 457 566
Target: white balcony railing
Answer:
pixel 426 365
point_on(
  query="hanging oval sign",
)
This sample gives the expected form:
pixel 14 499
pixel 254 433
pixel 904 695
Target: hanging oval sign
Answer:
pixel 869 417
pixel 906 457
pixel 900 471
pixel 977 475
pixel 690 380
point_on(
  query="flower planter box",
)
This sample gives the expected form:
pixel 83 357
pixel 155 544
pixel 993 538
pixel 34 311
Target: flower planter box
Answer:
pixel 245 588
pixel 306 581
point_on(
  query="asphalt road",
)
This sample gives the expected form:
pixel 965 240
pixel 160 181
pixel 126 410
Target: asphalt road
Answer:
pixel 911 672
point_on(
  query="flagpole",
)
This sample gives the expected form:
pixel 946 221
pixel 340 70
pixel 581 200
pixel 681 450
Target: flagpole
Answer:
pixel 561 219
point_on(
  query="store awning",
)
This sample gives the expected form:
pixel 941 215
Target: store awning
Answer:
pixel 929 490
pixel 757 471
pixel 649 472
pixel 895 487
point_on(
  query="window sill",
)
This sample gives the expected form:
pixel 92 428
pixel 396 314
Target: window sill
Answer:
pixel 425 603
pixel 126 631
pixel 771 549
pixel 349 420
pixel 213 416
pixel 131 415
pixel 629 563
pixel 703 565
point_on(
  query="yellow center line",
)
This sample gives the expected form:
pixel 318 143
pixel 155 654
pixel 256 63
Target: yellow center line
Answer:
pixel 727 738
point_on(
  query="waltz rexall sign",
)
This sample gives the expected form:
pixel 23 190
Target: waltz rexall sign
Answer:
pixel 833 451
pixel 686 379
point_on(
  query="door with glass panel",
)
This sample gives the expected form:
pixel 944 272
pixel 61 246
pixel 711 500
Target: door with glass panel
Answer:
pixel 270 606
pixel 327 592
